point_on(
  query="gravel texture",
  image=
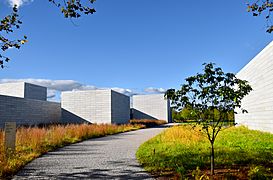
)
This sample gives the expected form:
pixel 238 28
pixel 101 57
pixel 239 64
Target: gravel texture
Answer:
pixel 111 157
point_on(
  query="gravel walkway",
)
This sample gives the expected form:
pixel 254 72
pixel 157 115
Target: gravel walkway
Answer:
pixel 111 157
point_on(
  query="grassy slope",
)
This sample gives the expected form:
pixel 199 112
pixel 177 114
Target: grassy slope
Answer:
pixel 182 149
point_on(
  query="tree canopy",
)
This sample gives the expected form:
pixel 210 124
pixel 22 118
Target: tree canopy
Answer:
pixel 74 8
pixel 7 25
pixel 262 7
pixel 77 8
pixel 69 9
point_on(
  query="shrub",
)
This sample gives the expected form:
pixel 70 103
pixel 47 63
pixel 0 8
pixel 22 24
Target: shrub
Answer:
pixel 257 173
pixel 147 122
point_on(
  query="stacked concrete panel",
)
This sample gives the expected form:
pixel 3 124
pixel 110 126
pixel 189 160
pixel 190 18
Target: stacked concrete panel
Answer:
pixel 26 104
pixel 28 111
pixel 153 106
pixel 24 90
pixel 259 103
pixel 95 106
pixel 120 108
pixel 13 89
pixel 33 91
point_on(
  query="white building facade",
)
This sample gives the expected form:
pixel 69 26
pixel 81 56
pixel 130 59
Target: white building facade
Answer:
pixel 151 106
pixel 259 103
pixel 26 104
pixel 96 106
pixel 24 90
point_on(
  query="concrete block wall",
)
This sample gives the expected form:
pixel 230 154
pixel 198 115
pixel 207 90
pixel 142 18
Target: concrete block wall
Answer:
pixel 33 91
pixel 28 111
pixel 259 103
pixel 13 89
pixel 26 104
pixel 24 90
pixel 153 106
pixel 120 108
pixel 95 106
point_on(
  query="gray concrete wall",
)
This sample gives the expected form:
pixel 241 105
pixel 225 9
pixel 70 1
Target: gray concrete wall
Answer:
pixel 153 106
pixel 120 108
pixel 35 92
pixel 259 103
pixel 93 106
pixel 28 111
pixel 24 90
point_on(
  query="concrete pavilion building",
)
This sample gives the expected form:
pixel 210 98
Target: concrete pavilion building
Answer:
pixel 26 104
pixel 96 106
pixel 151 106
pixel 259 103
pixel 24 90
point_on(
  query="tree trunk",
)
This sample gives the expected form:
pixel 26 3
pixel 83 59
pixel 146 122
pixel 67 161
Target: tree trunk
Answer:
pixel 212 159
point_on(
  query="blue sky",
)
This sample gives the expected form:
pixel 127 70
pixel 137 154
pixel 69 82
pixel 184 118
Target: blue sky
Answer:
pixel 134 44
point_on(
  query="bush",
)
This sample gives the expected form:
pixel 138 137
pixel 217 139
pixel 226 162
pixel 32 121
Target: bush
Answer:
pixel 257 173
pixel 185 115
pixel 147 122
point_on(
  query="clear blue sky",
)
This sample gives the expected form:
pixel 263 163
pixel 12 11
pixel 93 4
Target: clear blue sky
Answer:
pixel 135 44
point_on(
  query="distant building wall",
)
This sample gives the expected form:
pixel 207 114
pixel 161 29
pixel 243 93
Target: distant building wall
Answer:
pixel 24 90
pixel 35 92
pixel 120 108
pixel 136 114
pixel 259 103
pixel 153 106
pixel 13 89
pixel 95 106
pixel 28 111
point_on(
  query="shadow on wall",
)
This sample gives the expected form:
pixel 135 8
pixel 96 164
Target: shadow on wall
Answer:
pixel 68 117
pixel 136 114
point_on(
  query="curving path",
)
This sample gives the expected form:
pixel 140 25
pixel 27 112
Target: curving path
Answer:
pixel 111 157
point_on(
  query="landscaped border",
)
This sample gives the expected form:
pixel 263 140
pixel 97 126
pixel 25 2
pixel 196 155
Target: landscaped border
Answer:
pixel 32 142
pixel 184 152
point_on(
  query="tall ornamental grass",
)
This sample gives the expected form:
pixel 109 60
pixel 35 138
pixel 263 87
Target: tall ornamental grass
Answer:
pixel 32 142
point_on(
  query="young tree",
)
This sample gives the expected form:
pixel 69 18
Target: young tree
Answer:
pixel 208 92
pixel 69 8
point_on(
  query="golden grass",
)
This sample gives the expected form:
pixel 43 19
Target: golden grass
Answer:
pixel 186 135
pixel 182 149
pixel 32 142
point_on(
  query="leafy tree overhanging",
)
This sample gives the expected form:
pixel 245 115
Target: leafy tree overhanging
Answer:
pixel 262 7
pixel 76 8
pixel 69 8
pixel 7 25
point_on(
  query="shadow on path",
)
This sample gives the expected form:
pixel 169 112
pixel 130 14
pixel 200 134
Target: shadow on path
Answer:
pixel 111 157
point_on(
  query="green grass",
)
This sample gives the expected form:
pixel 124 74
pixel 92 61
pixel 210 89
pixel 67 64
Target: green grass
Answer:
pixel 180 150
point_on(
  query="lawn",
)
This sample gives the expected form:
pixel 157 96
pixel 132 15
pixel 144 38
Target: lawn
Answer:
pixel 32 142
pixel 184 152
